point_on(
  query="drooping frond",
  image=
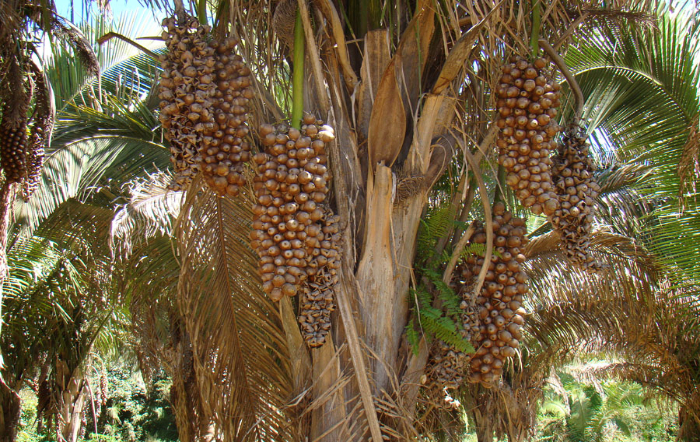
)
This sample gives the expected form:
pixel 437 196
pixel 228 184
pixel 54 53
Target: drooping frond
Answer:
pixel 151 210
pixel 235 329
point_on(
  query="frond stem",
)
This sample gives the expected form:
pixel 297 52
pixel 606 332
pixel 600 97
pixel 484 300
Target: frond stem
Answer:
pixel 110 35
pixel 573 84
pixel 501 180
pixel 298 74
pixel 466 209
pixel 449 269
pixel 536 23
pixel 180 10
pixel 202 12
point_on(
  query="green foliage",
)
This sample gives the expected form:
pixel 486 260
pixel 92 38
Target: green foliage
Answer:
pixel 135 411
pixel 476 249
pixel 444 329
pixel 412 336
pixel 593 411
pixel 432 320
pixel 442 323
pixel 450 300
pixel 435 225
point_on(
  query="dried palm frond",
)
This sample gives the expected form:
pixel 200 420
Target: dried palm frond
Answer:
pixel 235 329
pixel 65 30
pixel 150 212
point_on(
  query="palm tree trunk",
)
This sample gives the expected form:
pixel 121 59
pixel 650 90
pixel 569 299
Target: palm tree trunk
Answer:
pixel 72 393
pixel 9 412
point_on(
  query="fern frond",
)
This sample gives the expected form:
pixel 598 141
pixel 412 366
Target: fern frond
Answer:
pixel 475 249
pixel 412 337
pixel 444 329
pixel 434 226
pixel 450 300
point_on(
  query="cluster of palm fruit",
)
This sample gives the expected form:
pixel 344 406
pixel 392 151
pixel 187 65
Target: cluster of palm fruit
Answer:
pixel 492 321
pixel 40 136
pixel 294 232
pixel 576 189
pixel 317 294
pixel 527 104
pixel 205 93
pixel 13 149
pixel 23 141
pixel 500 312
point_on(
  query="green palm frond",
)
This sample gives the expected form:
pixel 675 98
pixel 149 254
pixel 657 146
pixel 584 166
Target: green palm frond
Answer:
pixel 125 70
pixel 91 164
pixel 640 87
pixel 97 142
pixel 641 91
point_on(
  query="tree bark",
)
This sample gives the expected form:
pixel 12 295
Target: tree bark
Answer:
pixel 72 396
pixel 9 412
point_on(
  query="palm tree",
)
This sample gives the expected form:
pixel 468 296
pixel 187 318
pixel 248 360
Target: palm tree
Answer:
pixel 644 307
pixel 396 103
pixel 66 315
pixel 583 408
pixel 240 365
pixel 27 98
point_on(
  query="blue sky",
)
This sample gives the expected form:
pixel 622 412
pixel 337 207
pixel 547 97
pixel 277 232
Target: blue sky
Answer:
pixel 75 10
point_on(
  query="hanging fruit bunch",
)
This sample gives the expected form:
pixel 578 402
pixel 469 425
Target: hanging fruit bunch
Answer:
pixel 319 290
pixel 577 190
pixel 500 312
pixel 23 140
pixel 224 151
pixel 492 321
pixel 294 231
pixel 40 135
pixel 13 148
pixel 527 104
pixel 205 93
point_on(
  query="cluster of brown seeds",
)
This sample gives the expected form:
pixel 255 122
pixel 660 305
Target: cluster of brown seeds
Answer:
pixel 527 104
pixel 317 294
pixel 35 158
pixel 492 321
pixel 40 135
pixel 576 189
pixel 500 310
pixel 447 365
pixel 224 150
pixel 204 91
pixel 294 231
pixel 13 150
pixel 291 185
